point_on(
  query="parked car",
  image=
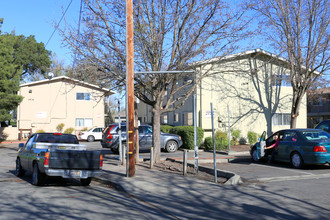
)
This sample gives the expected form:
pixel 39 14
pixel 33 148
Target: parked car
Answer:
pixel 56 154
pixel 91 134
pixel 110 138
pixel 324 125
pixel 298 147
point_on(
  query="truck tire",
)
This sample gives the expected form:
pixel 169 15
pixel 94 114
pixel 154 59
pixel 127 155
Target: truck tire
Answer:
pixel 86 182
pixel 19 170
pixel 37 176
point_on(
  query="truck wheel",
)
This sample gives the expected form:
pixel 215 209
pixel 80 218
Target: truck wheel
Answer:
pixel 37 176
pixel 171 146
pixel 19 170
pixel 86 182
pixel 90 138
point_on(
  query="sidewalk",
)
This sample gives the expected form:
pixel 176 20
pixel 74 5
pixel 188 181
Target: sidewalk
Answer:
pixel 155 181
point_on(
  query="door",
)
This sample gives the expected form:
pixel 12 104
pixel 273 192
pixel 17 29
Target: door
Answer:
pixel 286 145
pixel 145 137
pixel 97 132
pixel 26 153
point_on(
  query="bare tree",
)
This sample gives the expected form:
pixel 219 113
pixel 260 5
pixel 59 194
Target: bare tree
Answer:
pixel 300 30
pixel 253 81
pixel 168 35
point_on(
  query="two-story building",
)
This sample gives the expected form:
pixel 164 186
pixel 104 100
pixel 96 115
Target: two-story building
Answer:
pixel 50 102
pixel 318 107
pixel 250 91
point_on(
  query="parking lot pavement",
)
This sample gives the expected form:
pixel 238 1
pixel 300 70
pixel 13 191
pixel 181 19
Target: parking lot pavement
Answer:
pixel 270 172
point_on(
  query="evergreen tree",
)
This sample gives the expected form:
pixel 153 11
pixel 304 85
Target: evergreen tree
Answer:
pixel 19 55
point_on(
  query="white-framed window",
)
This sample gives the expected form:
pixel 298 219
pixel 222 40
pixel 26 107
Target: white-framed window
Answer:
pixel 176 117
pixel 83 96
pixel 281 80
pixel 164 119
pixel 84 122
pixel 281 119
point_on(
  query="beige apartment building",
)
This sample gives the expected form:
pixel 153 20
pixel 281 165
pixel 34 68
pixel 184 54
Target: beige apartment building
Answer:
pixel 50 102
pixel 250 91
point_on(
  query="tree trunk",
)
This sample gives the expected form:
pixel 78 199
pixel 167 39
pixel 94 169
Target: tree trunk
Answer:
pixel 156 133
pixel 296 101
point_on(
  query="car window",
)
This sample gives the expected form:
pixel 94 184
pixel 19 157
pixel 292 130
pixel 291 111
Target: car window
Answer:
pixel 290 136
pixel 324 126
pixel 316 135
pixel 29 143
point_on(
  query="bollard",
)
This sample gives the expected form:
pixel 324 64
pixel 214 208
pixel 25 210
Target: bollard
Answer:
pixel 185 152
pixel 151 157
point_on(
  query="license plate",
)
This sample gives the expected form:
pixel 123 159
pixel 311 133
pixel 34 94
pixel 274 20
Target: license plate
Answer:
pixel 73 173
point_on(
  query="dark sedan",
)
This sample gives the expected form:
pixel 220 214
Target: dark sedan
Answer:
pixel 296 146
pixel 110 138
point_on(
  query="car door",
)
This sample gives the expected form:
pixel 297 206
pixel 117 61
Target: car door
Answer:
pixel 145 137
pixel 26 153
pixel 286 145
pixel 97 132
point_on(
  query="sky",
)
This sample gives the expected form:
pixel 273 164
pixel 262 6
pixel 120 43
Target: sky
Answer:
pixel 36 17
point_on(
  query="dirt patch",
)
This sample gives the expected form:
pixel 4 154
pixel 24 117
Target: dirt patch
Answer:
pixel 176 168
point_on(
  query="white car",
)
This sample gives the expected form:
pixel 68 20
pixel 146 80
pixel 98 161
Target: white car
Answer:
pixel 91 134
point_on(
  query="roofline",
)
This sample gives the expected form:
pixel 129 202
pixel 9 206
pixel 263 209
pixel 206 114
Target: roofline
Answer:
pixel 58 78
pixel 248 52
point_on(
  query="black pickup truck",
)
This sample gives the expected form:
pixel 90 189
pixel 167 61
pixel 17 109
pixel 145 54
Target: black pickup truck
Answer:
pixel 57 154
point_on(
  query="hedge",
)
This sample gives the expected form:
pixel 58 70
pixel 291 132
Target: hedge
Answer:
pixel 166 128
pixel 187 135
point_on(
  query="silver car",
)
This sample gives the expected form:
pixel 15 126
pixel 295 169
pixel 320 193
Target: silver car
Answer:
pixel 110 138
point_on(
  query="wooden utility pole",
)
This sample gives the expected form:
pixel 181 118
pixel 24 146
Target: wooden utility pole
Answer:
pixel 130 86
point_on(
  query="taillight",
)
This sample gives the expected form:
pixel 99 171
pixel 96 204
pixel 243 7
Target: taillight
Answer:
pixel 46 162
pixel 109 136
pixel 319 149
pixel 101 160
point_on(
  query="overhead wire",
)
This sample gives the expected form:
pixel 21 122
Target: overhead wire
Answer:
pixel 58 24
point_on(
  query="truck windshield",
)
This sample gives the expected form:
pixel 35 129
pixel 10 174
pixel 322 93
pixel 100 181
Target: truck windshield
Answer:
pixel 52 138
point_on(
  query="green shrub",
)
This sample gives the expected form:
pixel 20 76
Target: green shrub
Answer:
pixel 68 131
pixel 166 128
pixel 236 134
pixel 219 143
pixel 40 131
pixel 242 141
pixel 187 135
pixel 222 137
pixel 252 137
pixel 60 127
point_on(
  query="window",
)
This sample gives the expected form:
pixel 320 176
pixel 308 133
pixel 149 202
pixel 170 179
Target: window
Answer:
pixel 281 119
pixel 187 118
pixel 84 122
pixel 164 119
pixel 176 117
pixel 83 96
pixel 281 80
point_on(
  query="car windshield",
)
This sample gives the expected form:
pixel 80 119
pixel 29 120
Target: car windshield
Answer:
pixel 316 135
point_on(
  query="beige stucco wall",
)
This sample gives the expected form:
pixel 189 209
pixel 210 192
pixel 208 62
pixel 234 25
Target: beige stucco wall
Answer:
pixel 232 84
pixel 48 104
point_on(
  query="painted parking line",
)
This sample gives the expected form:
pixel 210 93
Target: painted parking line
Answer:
pixel 286 169
pixel 286 178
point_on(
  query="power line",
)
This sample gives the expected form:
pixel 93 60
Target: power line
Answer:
pixel 58 24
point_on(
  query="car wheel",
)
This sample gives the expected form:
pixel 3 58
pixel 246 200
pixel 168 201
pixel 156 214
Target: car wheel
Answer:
pixel 90 138
pixel 296 160
pixel 255 156
pixel 86 182
pixel 19 170
pixel 171 146
pixel 37 176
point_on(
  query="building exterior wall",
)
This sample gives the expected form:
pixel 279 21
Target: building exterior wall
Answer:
pixel 49 104
pixel 247 92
